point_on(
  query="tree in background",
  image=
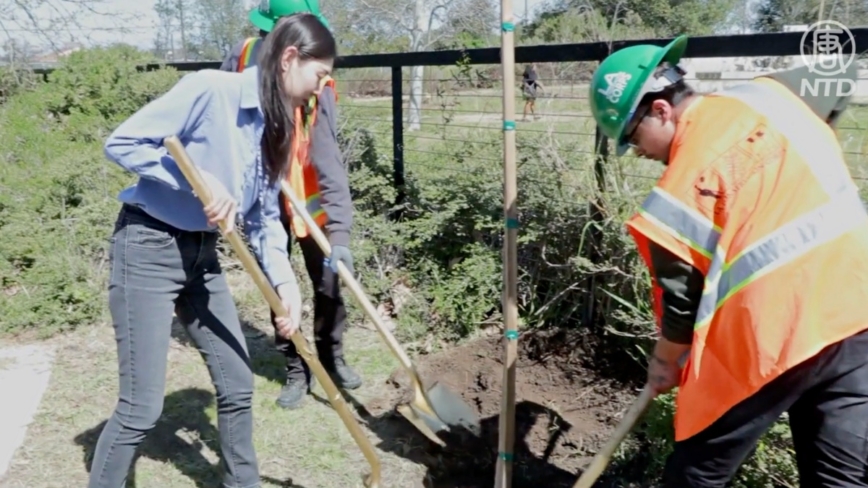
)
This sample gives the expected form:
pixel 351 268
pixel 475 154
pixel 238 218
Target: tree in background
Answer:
pixel 654 18
pixel 418 25
pixel 175 23
pixel 668 18
pixel 359 31
pixel 17 51
pixel 193 30
pixel 56 23
pixel 219 25
pixel 773 15
pixel 477 27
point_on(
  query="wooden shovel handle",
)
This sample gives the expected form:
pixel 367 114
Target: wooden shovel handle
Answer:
pixel 348 279
pixel 604 455
pixel 200 187
pixel 176 149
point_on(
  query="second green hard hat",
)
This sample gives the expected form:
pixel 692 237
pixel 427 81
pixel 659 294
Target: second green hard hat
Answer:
pixel 270 11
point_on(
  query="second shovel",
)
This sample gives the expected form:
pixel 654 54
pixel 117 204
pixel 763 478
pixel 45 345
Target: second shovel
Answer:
pixel 432 410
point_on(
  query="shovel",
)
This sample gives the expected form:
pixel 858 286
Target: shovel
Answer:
pixel 434 410
pixel 186 166
pixel 604 455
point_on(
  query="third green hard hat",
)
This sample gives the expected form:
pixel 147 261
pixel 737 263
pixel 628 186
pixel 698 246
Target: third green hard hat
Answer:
pixel 270 11
pixel 619 83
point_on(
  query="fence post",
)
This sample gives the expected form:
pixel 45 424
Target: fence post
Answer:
pixel 398 134
pixel 597 215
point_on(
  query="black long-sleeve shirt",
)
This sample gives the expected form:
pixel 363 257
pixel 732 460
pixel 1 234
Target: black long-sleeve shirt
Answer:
pixel 681 284
pixel 325 155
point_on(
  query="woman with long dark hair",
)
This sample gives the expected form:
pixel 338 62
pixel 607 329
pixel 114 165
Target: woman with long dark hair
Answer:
pixel 236 128
pixel 318 177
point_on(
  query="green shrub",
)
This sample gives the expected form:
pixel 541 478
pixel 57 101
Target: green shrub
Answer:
pixel 14 80
pixel 448 241
pixel 57 190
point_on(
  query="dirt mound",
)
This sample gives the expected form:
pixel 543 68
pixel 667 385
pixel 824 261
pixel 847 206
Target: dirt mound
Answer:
pixel 564 412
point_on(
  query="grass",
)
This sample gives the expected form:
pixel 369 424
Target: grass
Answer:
pixel 310 446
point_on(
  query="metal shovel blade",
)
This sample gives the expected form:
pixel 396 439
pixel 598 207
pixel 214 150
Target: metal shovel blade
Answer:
pixel 452 410
pixel 424 423
pixel 438 410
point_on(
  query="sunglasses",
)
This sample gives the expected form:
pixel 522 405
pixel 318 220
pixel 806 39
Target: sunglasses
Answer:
pixel 630 130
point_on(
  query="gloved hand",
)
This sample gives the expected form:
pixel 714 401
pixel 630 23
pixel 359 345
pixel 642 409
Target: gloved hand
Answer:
pixel 340 253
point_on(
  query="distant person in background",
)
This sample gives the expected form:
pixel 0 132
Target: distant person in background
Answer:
pixel 529 85
pixel 318 175
pixel 164 246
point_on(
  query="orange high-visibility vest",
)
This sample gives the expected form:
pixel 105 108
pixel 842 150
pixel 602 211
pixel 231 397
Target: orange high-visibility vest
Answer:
pixel 757 196
pixel 302 176
pixel 248 52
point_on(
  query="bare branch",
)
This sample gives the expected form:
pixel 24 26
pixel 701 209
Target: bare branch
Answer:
pixel 401 12
pixel 55 21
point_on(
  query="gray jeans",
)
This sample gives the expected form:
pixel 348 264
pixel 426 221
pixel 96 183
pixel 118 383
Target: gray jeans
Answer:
pixel 153 265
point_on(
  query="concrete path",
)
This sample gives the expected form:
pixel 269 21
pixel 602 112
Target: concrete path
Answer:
pixel 24 375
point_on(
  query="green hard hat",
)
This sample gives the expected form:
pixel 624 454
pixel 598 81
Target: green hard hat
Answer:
pixel 622 79
pixel 270 11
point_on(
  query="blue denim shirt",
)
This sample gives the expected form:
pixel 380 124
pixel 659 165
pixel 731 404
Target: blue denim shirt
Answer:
pixel 218 118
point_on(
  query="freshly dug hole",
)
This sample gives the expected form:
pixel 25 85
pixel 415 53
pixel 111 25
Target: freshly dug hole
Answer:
pixel 564 412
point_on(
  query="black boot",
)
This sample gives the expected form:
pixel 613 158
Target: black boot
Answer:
pixel 292 394
pixel 342 374
pixel 298 384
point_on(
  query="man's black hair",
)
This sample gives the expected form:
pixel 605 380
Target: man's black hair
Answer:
pixel 674 93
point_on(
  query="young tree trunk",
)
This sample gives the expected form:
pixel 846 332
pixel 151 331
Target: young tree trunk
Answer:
pixel 417 73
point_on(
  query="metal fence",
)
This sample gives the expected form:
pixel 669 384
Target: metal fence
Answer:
pixel 463 91
pixel 453 133
pixel 459 127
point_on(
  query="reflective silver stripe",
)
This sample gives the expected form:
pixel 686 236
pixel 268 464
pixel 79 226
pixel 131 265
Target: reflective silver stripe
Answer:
pixel 824 160
pixel 682 222
pixel 313 204
pixel 823 224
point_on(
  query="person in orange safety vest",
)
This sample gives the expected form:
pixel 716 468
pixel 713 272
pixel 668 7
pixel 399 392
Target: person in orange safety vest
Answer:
pixel 757 243
pixel 319 178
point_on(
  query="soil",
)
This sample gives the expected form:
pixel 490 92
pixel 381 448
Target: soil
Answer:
pixel 564 411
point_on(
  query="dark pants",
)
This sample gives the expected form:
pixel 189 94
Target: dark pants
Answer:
pixel 827 401
pixel 329 315
pixel 154 267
